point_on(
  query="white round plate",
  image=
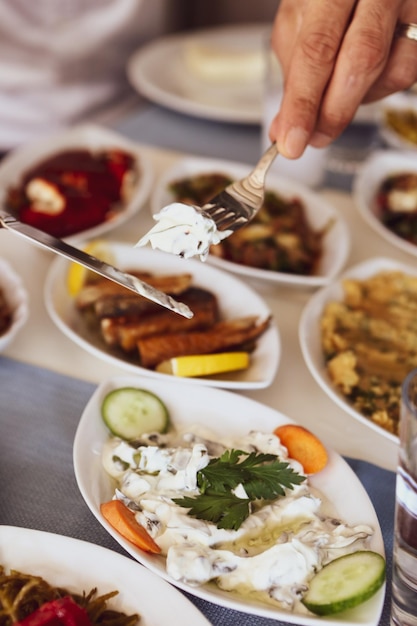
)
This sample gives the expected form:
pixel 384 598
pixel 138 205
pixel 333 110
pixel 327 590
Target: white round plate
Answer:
pixel 336 242
pixel 90 137
pixel 373 172
pixel 172 85
pixel 231 415
pixel 234 297
pixel 310 334
pixel 398 102
pixel 81 566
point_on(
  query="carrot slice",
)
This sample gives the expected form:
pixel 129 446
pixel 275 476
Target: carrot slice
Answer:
pixel 303 446
pixel 123 520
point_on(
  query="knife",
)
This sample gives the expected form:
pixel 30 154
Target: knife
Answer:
pixel 92 263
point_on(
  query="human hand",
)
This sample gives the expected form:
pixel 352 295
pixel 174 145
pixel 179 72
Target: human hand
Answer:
pixel 336 55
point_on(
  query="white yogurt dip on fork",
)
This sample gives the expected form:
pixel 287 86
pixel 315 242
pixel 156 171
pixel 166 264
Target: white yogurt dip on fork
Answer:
pixel 183 230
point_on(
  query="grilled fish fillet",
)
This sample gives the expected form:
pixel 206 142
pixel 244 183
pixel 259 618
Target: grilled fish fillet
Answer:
pixel 124 306
pixel 91 293
pixel 125 332
pixel 222 336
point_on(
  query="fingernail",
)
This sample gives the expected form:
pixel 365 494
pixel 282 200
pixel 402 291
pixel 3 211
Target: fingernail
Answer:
pixel 320 140
pixel 295 142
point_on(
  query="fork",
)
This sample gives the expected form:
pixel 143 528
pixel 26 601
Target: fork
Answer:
pixel 240 201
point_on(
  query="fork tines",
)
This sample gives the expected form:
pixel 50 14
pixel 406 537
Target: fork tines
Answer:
pixel 230 218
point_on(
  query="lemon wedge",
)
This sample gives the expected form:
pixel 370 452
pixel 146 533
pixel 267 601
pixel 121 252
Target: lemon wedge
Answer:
pixel 78 275
pixel 204 364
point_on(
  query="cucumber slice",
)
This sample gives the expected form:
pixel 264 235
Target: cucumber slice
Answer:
pixel 129 412
pixel 345 582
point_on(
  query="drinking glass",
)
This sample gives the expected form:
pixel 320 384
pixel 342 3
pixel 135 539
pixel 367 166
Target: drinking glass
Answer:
pixel 404 574
pixel 310 168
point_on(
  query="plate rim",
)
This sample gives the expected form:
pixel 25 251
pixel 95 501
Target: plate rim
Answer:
pixel 255 407
pixel 52 283
pixel 364 268
pixel 86 134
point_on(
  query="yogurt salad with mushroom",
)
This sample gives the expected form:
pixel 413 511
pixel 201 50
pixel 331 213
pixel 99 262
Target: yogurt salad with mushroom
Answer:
pixel 240 513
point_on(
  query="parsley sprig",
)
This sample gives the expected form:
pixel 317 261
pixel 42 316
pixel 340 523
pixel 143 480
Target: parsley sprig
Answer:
pixel 263 476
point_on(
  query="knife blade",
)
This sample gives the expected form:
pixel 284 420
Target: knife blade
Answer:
pixel 93 263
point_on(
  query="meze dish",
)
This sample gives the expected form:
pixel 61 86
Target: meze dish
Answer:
pixel 385 192
pixel 160 340
pixel 358 340
pixel 297 238
pixel 396 204
pixel 30 600
pixel 403 122
pixel 79 183
pixel 73 190
pixel 253 514
pixel 256 527
pixel 398 123
pixel 279 238
pixel 219 499
pixel 77 566
pixel 231 321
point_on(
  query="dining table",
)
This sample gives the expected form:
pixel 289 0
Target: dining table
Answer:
pixel 46 379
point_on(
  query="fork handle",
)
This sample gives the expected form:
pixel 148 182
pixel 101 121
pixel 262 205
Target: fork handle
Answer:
pixel 259 172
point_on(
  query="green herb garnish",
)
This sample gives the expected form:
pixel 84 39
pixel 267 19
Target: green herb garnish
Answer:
pixel 263 476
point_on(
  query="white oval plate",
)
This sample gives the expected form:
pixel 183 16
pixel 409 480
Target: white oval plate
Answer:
pixel 318 211
pixel 235 300
pixel 172 85
pixel 90 137
pixel 310 335
pixel 81 566
pixel 398 102
pixel 373 172
pixel 231 415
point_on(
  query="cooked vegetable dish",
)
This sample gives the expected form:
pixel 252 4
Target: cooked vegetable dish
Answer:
pixel 404 123
pixel 279 238
pixel 369 342
pixel 31 601
pixel 397 205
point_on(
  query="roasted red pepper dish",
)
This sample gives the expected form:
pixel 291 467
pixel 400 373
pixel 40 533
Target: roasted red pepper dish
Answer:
pixel 396 202
pixel 27 600
pixel 279 238
pixel 73 190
